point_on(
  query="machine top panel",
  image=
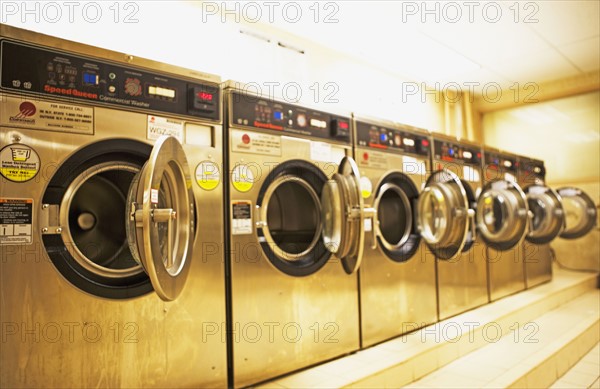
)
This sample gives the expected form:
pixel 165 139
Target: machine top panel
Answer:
pixel 530 167
pixel 392 139
pixel 445 150
pixel 49 72
pixel 261 113
pixel 503 161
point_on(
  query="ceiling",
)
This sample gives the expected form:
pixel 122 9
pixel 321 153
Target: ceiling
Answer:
pixel 493 42
pixel 458 42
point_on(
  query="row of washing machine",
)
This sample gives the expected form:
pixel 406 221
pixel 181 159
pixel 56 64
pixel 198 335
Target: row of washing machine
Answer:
pixel 276 236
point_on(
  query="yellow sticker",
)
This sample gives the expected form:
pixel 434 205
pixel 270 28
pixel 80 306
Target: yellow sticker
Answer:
pixel 208 175
pixel 366 187
pixel 242 178
pixel 19 163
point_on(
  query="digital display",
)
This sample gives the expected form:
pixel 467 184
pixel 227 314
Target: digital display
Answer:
pixel 204 96
pixel 409 142
pixel 90 78
pixel 343 125
pixel 278 115
pixel 161 92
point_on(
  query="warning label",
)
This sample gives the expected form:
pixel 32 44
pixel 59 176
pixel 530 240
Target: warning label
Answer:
pixel 47 116
pixel 16 217
pixel 158 126
pixel 241 217
pixel 18 162
pixel 255 143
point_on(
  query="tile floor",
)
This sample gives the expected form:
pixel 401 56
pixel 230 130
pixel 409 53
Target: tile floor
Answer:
pixel 585 374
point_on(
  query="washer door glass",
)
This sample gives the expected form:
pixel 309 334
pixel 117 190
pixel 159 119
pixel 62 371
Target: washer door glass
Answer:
pixel 502 214
pixel 160 218
pixel 394 215
pixel 548 218
pixel 580 212
pixel 342 215
pixel 443 214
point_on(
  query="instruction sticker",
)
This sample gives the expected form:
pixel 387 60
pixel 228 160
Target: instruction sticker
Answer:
pixel 208 175
pixel 242 178
pixel 366 187
pixel 19 163
pixel 16 216
pixel 159 126
pixel 255 143
pixel 241 217
pixel 373 159
pixel 47 116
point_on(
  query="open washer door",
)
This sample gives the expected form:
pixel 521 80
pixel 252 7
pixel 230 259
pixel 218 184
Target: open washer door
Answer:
pixel 161 222
pixel 548 217
pixel 443 215
pixel 580 212
pixel 502 214
pixel 343 215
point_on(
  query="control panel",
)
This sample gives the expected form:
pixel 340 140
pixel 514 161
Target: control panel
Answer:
pixel 501 161
pixel 456 152
pixel 252 111
pixel 531 167
pixel 49 72
pixel 396 140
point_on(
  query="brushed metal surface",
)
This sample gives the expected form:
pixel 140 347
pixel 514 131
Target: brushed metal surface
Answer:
pixel 395 297
pixel 283 323
pixel 506 269
pixel 55 335
pixel 537 258
pixel 462 282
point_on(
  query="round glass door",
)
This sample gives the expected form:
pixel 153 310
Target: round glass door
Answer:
pixel 343 215
pixel 502 214
pixel 396 230
pixel 580 212
pixel 443 214
pixel 289 213
pixel 547 214
pixel 160 218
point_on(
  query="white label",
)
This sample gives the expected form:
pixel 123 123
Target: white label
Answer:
pixel 154 196
pixel 47 116
pixel 241 217
pixel 412 165
pixel 368 225
pixel 255 143
pixel 471 174
pixel 320 151
pixel 159 126
pixel 16 218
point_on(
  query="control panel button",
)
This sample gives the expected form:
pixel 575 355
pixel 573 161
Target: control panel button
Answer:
pixel 133 87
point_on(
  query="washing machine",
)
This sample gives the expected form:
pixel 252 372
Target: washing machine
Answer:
pixel 111 270
pixel 581 214
pixel 547 221
pixel 461 266
pixel 397 278
pixel 296 235
pixel 504 223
